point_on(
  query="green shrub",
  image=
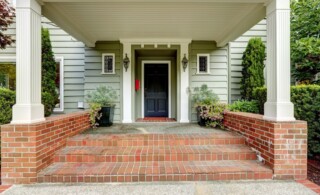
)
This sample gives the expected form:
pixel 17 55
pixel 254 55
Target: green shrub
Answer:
pixel 306 100
pixel 245 106
pixel 213 114
pixel 260 95
pixel 48 102
pixel 253 65
pixel 48 74
pixel 7 100
pixel 204 96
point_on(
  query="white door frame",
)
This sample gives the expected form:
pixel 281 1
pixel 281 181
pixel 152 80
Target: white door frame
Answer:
pixel 144 62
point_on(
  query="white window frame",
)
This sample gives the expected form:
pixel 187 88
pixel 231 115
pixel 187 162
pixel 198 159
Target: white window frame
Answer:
pixel 60 59
pixel 198 63
pixel 113 63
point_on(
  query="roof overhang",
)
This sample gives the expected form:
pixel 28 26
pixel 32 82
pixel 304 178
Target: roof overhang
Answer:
pixel 102 20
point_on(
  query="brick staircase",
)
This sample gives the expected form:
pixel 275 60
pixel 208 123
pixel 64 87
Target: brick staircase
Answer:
pixel 154 157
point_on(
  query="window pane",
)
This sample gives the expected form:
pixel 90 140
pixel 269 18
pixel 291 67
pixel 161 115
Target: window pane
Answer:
pixel 203 64
pixel 8 75
pixel 57 82
pixel 108 64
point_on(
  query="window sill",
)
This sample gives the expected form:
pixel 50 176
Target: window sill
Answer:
pixel 111 73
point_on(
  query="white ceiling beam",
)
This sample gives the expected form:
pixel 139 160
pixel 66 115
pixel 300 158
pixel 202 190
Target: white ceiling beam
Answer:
pixel 59 18
pixel 242 25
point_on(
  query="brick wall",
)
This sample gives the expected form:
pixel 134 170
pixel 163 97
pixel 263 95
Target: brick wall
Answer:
pixel 283 145
pixel 29 148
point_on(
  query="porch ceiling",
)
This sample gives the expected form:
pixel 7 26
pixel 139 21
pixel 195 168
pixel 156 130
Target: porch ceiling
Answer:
pixel 101 20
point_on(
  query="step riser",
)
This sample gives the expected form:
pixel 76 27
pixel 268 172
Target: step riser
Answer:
pixel 166 142
pixel 151 178
pixel 154 157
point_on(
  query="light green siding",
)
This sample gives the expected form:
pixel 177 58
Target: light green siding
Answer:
pixel 93 69
pixel 217 79
pixel 236 49
pixel 63 45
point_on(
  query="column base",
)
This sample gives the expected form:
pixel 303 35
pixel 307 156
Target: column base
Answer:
pixel 126 121
pixel 26 114
pixel 184 121
pixel 279 111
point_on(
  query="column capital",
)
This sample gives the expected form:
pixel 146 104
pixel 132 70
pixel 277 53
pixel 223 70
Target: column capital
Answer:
pixel 29 4
pixel 274 5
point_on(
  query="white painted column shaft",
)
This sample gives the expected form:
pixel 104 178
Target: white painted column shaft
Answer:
pixel 184 85
pixel 28 107
pixel 278 106
pixel 127 86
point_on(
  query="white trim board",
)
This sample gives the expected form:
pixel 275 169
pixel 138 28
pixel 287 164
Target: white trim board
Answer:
pixel 144 62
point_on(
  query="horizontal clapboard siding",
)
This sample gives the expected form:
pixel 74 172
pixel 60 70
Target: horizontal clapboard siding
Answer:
pixel 217 80
pixel 93 69
pixel 236 49
pixel 63 45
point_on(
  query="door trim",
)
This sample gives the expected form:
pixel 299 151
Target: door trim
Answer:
pixel 144 63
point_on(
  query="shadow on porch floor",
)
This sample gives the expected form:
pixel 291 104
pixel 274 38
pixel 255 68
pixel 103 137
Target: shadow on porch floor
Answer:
pixel 153 128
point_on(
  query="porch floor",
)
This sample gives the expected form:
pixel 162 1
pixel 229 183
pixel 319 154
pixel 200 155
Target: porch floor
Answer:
pixel 153 128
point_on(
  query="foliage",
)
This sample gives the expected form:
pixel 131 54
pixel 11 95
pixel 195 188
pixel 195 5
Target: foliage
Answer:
pixel 244 106
pixel 101 97
pixel 306 60
pixel 213 114
pixel 8 76
pixel 260 95
pixel 48 74
pixel 305 34
pixel 49 103
pixel 105 96
pixel 94 114
pixel 7 14
pixel 306 99
pixel 7 100
pixel 203 96
pixel 253 65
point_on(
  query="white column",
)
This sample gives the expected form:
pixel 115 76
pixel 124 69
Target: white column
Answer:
pixel 278 106
pixel 28 107
pixel 127 86
pixel 184 85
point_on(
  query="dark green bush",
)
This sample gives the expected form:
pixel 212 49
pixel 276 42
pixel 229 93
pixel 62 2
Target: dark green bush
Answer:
pixel 7 100
pixel 48 74
pixel 260 95
pixel 306 100
pixel 244 106
pixel 253 65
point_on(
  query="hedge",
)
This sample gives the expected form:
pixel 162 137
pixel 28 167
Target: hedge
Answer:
pixel 244 106
pixel 306 100
pixel 7 100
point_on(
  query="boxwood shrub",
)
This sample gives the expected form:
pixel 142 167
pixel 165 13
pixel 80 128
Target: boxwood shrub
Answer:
pixel 7 100
pixel 306 100
pixel 244 106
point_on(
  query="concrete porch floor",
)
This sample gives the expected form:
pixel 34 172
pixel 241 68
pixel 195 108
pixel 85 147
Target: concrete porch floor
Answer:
pixel 153 128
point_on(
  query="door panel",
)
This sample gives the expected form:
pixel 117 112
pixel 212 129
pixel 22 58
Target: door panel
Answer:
pixel 156 90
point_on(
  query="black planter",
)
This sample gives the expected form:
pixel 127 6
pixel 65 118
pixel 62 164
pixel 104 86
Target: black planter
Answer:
pixel 202 122
pixel 106 119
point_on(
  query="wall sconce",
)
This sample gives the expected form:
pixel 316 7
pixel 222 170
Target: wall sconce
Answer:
pixel 184 62
pixel 126 62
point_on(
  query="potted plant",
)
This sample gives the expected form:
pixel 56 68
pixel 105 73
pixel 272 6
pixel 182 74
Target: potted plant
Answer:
pixel 101 104
pixel 203 98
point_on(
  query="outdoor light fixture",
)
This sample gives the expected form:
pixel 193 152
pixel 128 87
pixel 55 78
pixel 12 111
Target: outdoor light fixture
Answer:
pixel 126 62
pixel 184 62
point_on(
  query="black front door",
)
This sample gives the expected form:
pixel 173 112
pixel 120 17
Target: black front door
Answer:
pixel 156 90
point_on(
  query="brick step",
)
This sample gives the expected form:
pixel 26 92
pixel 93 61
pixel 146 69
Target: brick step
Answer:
pixel 154 153
pixel 154 171
pixel 155 139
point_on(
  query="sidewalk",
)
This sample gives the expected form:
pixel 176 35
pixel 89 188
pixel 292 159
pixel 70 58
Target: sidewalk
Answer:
pixel 181 188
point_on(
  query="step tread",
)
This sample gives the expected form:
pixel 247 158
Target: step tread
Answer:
pixel 153 168
pixel 145 150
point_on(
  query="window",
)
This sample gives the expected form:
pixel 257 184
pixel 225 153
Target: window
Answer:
pixel 8 75
pixel 59 84
pixel 203 63
pixel 108 63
